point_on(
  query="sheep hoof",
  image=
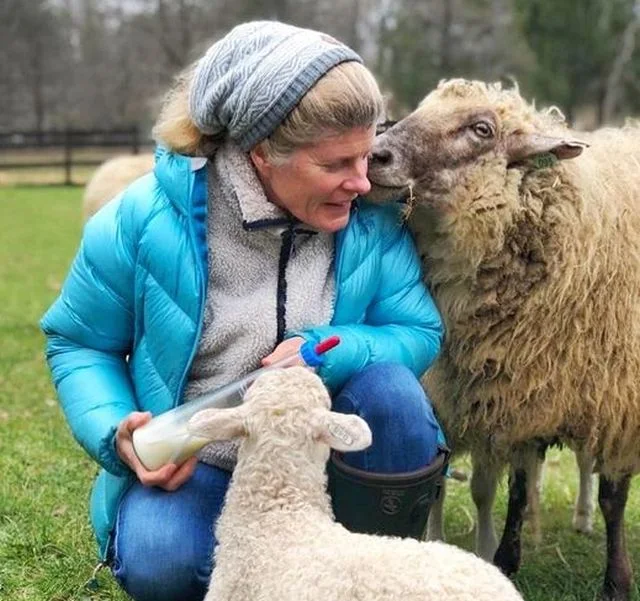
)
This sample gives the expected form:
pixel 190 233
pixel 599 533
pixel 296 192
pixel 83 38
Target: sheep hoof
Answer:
pixel 507 560
pixel 583 523
pixel 458 475
pixel 612 593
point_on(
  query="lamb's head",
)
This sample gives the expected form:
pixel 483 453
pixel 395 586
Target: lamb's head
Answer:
pixel 465 144
pixel 285 411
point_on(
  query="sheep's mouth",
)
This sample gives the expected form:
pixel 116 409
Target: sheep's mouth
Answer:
pixel 403 188
pixel 386 191
pixel 387 185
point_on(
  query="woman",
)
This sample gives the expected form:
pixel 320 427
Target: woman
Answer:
pixel 247 240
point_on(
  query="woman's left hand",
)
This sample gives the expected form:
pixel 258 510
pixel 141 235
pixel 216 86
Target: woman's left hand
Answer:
pixel 284 349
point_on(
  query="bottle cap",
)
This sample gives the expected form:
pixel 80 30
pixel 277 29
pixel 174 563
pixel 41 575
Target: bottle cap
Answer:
pixel 312 354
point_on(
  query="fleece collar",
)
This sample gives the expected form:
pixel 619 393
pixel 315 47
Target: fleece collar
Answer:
pixel 257 211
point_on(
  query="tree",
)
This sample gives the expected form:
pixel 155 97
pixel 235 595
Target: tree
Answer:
pixel 32 48
pixel 423 41
pixel 615 83
pixel 574 44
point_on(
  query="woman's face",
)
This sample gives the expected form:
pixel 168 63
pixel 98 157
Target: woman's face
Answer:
pixel 318 183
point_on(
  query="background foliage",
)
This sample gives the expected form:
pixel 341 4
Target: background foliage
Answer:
pixel 102 63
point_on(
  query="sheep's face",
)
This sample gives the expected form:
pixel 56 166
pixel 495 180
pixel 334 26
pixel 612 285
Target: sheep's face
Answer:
pixel 283 411
pixel 460 142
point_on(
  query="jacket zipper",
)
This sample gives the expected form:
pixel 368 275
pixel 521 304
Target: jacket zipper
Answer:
pixel 202 270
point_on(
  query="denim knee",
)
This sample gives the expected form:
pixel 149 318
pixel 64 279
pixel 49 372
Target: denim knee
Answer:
pixel 163 544
pixel 167 570
pixel 390 398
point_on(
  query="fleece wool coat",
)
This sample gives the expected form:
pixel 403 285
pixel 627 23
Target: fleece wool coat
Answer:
pixel 123 333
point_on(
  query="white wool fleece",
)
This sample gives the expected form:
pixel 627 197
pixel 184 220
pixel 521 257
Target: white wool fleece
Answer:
pixel 277 538
pixel 302 556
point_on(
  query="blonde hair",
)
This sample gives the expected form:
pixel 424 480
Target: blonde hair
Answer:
pixel 345 98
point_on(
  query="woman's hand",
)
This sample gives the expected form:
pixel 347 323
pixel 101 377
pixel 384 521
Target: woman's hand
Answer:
pixel 169 477
pixel 284 349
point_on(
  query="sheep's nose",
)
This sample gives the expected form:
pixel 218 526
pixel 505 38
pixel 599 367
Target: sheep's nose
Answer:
pixel 381 158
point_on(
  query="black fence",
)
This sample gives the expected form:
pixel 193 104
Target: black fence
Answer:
pixel 65 149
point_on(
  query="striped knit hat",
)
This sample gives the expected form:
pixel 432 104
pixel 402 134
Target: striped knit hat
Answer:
pixel 250 80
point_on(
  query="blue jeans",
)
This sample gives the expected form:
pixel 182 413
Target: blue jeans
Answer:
pixel 163 541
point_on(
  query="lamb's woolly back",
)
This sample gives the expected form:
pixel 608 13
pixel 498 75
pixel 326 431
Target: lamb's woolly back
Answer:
pixel 277 538
pixel 111 178
pixel 535 270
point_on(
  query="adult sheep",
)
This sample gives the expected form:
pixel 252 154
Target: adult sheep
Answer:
pixel 534 262
pixel 111 178
pixel 277 536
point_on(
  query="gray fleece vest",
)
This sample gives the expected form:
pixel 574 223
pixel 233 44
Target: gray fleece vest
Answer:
pixel 268 275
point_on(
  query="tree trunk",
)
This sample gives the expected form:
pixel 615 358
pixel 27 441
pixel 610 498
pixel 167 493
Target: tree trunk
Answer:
pixel 614 81
pixel 37 83
pixel 445 40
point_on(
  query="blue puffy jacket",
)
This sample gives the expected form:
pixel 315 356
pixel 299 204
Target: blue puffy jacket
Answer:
pixel 123 332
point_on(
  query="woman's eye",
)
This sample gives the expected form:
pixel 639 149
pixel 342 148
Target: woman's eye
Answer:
pixel 482 129
pixel 346 163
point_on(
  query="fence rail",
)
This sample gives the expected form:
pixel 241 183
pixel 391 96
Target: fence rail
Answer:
pixel 15 143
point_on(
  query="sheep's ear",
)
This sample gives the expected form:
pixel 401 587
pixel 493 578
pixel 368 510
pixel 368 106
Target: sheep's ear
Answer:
pixel 524 146
pixel 342 432
pixel 218 424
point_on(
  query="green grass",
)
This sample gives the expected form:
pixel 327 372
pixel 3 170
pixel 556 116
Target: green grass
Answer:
pixel 47 550
pixel 46 546
pixel 564 566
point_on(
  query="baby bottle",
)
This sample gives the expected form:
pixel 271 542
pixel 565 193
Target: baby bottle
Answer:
pixel 165 438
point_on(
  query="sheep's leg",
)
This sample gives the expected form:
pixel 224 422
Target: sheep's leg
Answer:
pixel 612 498
pixel 435 525
pixel 507 557
pixel 484 482
pixel 534 464
pixel 583 513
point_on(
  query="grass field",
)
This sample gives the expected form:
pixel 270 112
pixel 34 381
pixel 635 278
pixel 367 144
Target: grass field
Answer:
pixel 46 546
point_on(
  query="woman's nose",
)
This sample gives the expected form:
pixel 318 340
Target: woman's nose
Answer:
pixel 363 185
pixel 359 182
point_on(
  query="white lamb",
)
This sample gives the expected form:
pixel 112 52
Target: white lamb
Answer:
pixel 277 536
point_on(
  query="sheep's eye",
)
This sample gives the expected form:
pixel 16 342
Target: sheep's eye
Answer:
pixel 482 129
pixel 384 126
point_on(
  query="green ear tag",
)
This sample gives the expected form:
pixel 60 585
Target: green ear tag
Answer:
pixel 543 161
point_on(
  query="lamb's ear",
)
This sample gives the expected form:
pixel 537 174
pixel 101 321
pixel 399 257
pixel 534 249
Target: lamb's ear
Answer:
pixel 218 424
pixel 342 432
pixel 523 146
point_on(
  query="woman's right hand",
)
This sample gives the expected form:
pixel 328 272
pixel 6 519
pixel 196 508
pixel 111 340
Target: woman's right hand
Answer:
pixel 169 477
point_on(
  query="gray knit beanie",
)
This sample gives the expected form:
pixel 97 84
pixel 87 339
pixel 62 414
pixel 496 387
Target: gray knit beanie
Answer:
pixel 250 80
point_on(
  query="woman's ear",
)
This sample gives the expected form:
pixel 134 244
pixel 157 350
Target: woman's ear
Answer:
pixel 260 161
